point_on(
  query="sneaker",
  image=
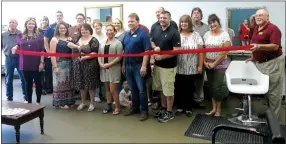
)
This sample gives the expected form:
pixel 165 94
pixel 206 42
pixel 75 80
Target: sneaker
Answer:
pixel 97 99
pixel 81 106
pixel 8 99
pixel 159 113
pixel 149 104
pixel 44 92
pixel 200 105
pixel 91 107
pixel 105 111
pixel 179 112
pixel 25 101
pixel 166 117
pixel 189 113
pixel 49 91
pixel 155 106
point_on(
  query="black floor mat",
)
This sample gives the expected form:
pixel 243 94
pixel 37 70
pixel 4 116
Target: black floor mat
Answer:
pixel 202 126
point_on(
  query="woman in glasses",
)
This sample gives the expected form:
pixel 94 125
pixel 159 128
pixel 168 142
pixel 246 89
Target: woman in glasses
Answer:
pixel 63 96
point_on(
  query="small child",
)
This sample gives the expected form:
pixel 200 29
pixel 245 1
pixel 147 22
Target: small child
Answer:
pixel 125 95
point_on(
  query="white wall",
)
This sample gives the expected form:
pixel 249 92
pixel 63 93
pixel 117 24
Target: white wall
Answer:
pixel 93 13
pixel 145 10
pixel 116 12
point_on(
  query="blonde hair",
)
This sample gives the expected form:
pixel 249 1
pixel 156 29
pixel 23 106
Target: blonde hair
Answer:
pixel 120 21
pixel 47 19
pixel 35 32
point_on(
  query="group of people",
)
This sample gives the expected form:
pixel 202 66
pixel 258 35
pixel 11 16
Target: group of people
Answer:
pixel 178 78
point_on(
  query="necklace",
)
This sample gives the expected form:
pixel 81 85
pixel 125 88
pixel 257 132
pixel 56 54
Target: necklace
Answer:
pixel 28 41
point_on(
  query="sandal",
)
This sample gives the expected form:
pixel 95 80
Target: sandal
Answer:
pixel 217 114
pixel 106 111
pixel 211 112
pixel 116 112
pixel 65 107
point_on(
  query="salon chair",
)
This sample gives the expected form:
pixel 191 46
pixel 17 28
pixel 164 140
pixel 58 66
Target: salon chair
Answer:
pixel 245 79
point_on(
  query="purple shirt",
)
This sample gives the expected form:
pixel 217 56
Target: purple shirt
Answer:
pixel 27 62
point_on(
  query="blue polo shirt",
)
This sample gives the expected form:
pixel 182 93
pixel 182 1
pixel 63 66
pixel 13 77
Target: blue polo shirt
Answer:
pixel 135 43
pixel 50 32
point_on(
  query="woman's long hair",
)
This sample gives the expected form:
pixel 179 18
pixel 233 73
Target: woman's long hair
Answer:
pixel 47 19
pixel 189 20
pixel 35 31
pixel 57 33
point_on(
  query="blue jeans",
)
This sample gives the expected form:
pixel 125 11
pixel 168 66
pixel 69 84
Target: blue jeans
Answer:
pixel 10 65
pixel 100 92
pixel 137 84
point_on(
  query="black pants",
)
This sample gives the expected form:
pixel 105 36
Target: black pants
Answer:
pixel 184 91
pixel 47 76
pixel 30 77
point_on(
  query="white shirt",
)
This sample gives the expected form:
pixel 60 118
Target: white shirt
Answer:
pixel 123 95
pixel 101 37
pixel 188 63
pixel 215 42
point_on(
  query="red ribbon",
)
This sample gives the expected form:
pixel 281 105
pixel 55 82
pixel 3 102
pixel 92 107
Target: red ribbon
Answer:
pixel 169 52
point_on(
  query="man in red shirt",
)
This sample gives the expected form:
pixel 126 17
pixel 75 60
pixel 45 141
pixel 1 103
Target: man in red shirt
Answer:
pixel 144 28
pixel 267 53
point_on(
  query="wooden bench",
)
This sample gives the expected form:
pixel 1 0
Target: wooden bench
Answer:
pixel 16 121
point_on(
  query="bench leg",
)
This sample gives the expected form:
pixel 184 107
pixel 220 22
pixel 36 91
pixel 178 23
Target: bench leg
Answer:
pixel 17 129
pixel 42 122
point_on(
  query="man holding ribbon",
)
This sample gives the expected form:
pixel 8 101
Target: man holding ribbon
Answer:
pixel 165 66
pixel 11 61
pixel 267 53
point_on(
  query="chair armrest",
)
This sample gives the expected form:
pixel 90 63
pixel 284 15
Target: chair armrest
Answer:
pixel 234 128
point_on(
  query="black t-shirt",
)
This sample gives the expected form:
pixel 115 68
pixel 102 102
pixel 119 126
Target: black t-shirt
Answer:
pixel 42 31
pixel 167 40
pixel 106 51
pixel 157 25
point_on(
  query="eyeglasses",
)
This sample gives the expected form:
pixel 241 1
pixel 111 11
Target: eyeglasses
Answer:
pixel 259 15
